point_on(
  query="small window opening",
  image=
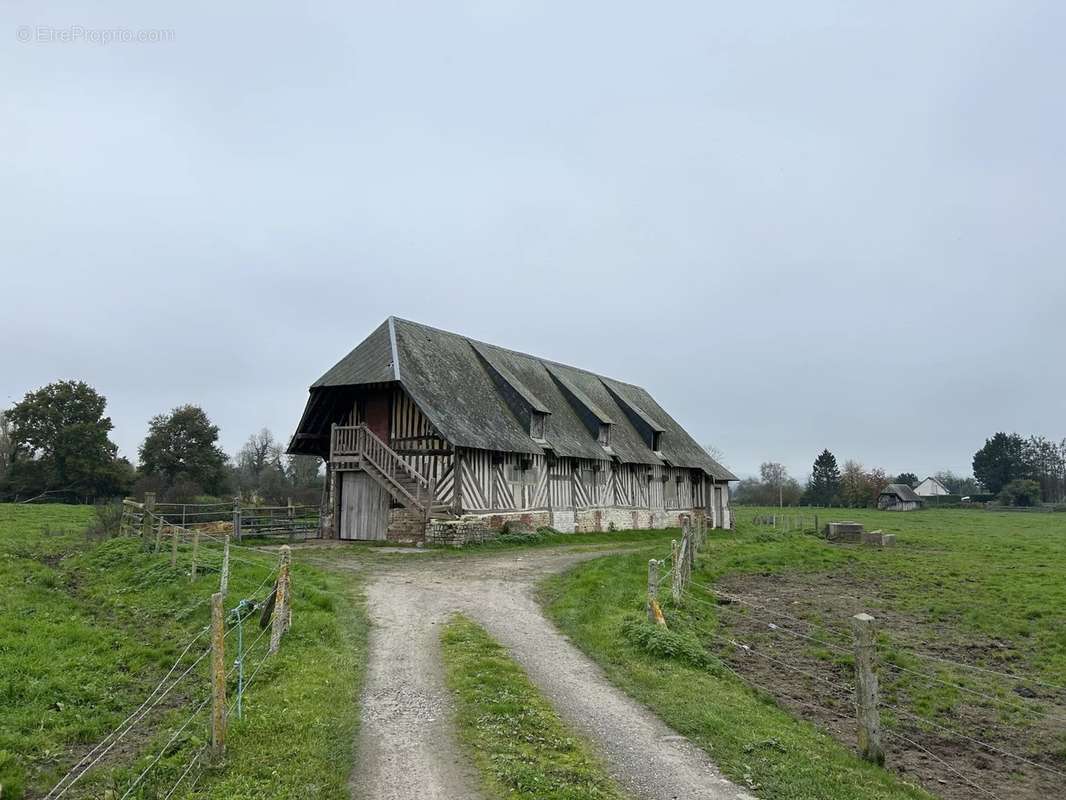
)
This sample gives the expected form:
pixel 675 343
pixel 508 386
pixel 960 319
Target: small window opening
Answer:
pixel 605 434
pixel 536 425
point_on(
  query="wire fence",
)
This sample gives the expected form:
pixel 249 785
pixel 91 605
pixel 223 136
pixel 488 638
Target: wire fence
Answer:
pixel 821 654
pixel 291 521
pixel 788 522
pixel 204 689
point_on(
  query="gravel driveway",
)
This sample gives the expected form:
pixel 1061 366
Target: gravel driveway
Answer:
pixel 407 742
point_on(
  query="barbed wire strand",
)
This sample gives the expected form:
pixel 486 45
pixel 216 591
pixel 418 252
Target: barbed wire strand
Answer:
pixel 762 654
pixel 165 747
pixel 991 698
pixel 129 723
pixel 775 626
pixel 188 769
pixel 986 745
pixel 744 601
pixel 935 757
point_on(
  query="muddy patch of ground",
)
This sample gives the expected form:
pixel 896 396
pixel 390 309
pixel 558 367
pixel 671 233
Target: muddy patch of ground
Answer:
pixel 788 634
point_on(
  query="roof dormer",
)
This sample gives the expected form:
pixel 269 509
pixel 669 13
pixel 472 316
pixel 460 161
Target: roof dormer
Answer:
pixel 526 406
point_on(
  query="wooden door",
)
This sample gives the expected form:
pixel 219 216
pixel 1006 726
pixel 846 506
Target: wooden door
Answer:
pixel 377 415
pixel 364 507
pixel 719 511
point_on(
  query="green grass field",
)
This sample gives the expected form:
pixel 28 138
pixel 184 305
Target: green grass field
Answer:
pixel 88 630
pixel 984 589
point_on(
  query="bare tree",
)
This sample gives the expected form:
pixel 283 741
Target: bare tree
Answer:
pixel 260 451
pixel 714 452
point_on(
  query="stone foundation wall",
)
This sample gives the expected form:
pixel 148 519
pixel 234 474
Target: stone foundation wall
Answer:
pixel 405 526
pixel 458 532
pixel 516 520
pixel 564 520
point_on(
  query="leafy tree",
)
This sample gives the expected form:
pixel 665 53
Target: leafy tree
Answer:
pixel 1044 461
pixel 824 485
pixel 1000 461
pixel 859 487
pixel 1020 492
pixel 303 471
pixel 183 444
pixel 908 478
pixel 58 441
pixel 958 484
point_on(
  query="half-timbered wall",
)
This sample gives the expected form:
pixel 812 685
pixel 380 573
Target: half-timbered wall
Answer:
pixel 503 482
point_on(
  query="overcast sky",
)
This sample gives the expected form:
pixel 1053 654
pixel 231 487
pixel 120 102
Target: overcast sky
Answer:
pixel 799 225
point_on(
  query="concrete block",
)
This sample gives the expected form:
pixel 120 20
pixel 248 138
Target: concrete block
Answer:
pixel 845 532
pixel 871 538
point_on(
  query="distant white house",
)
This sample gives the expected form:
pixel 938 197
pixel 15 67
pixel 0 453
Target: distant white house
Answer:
pixel 931 487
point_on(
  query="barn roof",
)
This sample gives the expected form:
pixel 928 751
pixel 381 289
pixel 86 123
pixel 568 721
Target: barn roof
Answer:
pixel 448 376
pixel 903 492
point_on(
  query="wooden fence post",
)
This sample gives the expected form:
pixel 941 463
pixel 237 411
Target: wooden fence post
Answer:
pixel 866 696
pixel 218 678
pixel 158 536
pixel 677 588
pixel 146 518
pixel 431 490
pixel 174 547
pixel 237 518
pixel 195 553
pixel 223 579
pixel 281 602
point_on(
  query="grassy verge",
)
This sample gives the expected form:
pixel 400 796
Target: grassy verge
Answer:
pixel 518 742
pixel 981 588
pixel 88 629
pixel 753 741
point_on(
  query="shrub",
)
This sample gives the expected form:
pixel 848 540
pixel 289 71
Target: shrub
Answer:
pixel 106 521
pixel 665 643
pixel 1020 493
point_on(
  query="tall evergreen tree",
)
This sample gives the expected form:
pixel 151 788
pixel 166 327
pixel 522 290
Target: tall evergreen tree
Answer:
pixel 825 480
pixel 1000 461
pixel 909 478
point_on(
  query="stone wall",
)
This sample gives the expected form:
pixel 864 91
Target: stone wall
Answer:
pixel 458 532
pixel 405 526
pixel 564 520
pixel 516 520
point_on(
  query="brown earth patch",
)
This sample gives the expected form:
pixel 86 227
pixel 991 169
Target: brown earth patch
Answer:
pixel 805 663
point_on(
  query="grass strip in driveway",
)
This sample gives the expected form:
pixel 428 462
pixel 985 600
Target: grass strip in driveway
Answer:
pixel 519 744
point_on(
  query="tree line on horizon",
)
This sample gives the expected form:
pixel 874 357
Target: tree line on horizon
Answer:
pixel 1018 471
pixel 56 441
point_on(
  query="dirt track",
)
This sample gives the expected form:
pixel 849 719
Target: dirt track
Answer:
pixel 407 744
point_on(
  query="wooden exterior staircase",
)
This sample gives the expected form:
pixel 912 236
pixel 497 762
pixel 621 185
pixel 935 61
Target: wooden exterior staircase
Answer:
pixel 356 447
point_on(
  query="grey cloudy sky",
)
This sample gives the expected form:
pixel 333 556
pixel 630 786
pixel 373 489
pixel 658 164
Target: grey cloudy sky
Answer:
pixel 800 225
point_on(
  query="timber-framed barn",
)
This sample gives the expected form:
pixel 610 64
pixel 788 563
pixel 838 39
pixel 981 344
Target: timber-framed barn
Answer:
pixel 426 432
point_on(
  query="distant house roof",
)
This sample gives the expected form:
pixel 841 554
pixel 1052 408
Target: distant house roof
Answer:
pixel 461 384
pixel 902 491
pixel 930 487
